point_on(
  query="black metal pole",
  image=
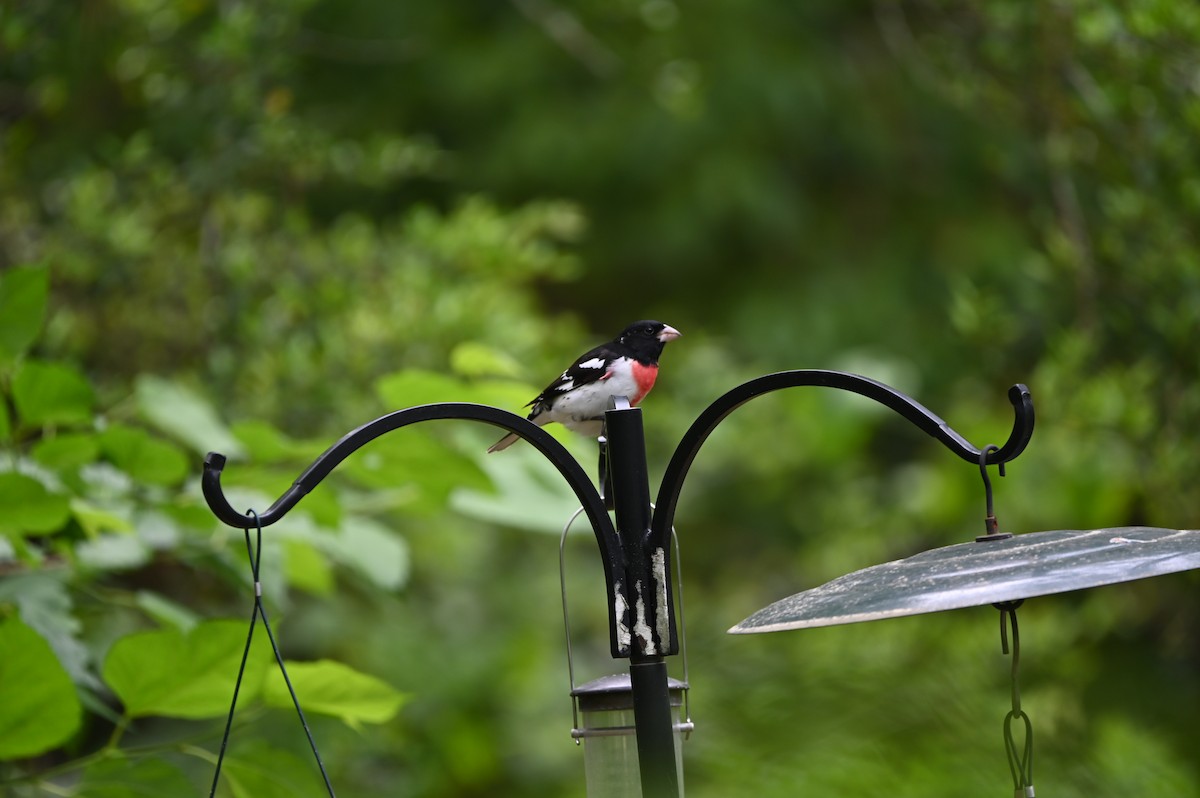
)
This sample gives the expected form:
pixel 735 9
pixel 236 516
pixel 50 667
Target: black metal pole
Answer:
pixel 646 587
pixel 655 728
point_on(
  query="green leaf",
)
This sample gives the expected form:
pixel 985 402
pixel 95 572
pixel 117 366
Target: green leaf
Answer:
pixel 333 688
pixel 41 709
pixel 186 416
pixel 473 359
pixel 163 609
pixel 95 520
pixel 184 674
pixel 45 604
pixel 68 451
pixel 5 423
pixel 269 445
pixel 529 493
pixel 415 387
pixel 415 459
pixel 51 393
pixel 367 547
pixel 23 294
pixel 142 456
pixel 508 395
pixel 112 553
pixel 27 508
pixel 307 568
pixel 121 777
pixel 373 550
pixel 256 770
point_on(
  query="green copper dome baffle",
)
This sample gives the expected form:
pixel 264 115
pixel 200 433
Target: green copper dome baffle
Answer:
pixel 984 572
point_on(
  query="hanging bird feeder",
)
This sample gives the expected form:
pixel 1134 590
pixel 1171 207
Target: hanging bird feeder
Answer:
pixel 996 568
pixel 986 572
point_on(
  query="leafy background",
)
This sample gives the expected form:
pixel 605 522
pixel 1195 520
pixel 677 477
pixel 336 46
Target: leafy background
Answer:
pixel 251 227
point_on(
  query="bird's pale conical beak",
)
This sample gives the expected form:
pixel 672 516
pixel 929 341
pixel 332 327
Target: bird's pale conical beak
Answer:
pixel 668 334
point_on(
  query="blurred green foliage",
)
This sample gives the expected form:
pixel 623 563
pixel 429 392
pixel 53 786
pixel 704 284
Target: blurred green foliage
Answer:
pixel 252 227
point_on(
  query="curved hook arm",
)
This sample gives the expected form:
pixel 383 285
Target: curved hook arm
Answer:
pixel 572 472
pixel 354 440
pixel 918 414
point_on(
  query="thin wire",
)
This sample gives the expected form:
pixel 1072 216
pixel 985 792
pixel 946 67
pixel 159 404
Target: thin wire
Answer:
pixel 236 687
pixel 255 554
pixel 1020 763
pixel 562 583
pixel 687 709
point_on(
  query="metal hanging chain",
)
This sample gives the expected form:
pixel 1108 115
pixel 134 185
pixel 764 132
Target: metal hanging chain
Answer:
pixel 1020 761
pixel 255 554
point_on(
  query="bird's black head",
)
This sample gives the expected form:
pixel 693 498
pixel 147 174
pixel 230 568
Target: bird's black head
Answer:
pixel 645 339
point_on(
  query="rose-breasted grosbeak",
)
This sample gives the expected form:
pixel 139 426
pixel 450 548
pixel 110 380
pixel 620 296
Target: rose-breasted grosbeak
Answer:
pixel 625 366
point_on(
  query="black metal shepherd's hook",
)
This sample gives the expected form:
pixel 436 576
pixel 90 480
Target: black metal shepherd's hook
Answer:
pixel 636 550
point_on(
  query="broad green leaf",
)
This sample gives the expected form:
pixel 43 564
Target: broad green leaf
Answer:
pixel 68 451
pixel 23 294
pixel 269 445
pixel 41 709
pixel 27 508
pixel 46 605
pixel 142 456
pixel 413 387
pixel 95 520
pixel 507 395
pixel 529 493
pixel 112 553
pixel 473 359
pixel 185 415
pixel 414 458
pixel 184 674
pixel 374 551
pixel 121 777
pixel 324 505
pixel 163 609
pixel 157 529
pixel 105 482
pixel 307 568
pixel 190 514
pixel 365 546
pixel 256 770
pixel 332 688
pixel 51 393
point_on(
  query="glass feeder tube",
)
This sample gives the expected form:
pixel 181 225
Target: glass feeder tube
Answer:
pixel 605 717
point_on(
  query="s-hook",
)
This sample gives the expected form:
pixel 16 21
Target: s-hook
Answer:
pixel 990 524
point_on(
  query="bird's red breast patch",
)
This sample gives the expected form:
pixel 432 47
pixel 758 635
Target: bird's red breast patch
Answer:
pixel 644 376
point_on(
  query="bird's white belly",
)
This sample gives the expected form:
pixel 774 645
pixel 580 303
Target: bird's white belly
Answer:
pixel 582 410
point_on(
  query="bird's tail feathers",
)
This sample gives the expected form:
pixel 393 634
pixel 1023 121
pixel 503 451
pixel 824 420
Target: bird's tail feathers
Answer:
pixel 504 443
pixel 508 440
